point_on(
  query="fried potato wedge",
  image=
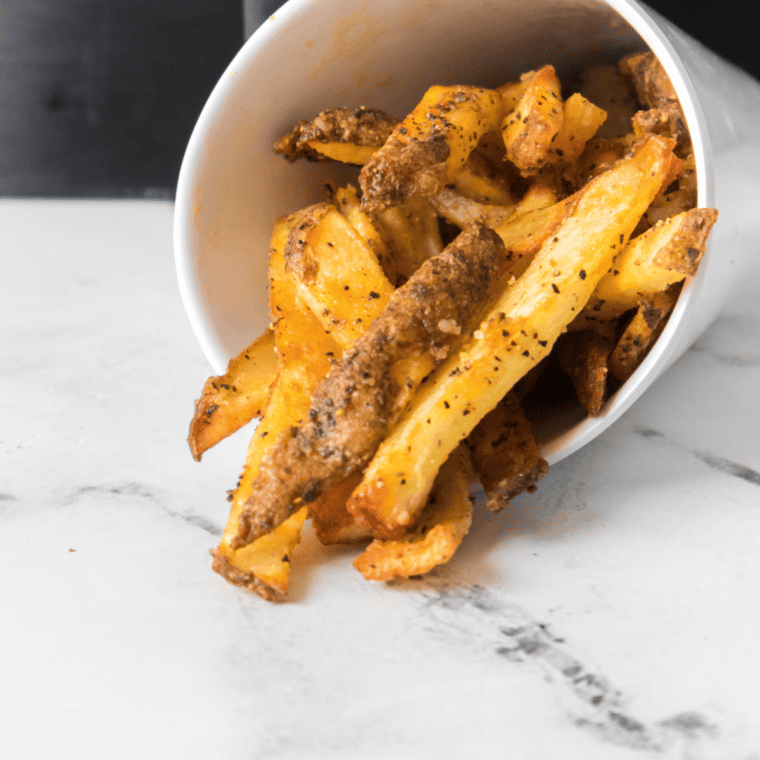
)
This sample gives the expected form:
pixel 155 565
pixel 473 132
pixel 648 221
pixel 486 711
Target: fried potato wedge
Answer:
pixel 429 146
pixel 266 562
pixel 581 121
pixel 642 331
pixel 655 90
pixel 232 400
pixel 305 352
pixel 331 520
pixel 504 453
pixel 518 332
pixel 442 525
pixel 411 234
pixel 584 356
pixel 348 203
pixel 478 180
pixel 530 126
pixel 464 211
pixel 336 273
pixel 664 254
pixel 350 135
pixel 352 409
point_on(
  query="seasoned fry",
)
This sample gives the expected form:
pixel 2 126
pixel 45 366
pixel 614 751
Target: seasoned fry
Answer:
pixel 463 211
pixel 348 203
pixel 352 409
pixel 335 273
pixel 232 400
pixel 517 333
pixel 425 151
pixel 411 234
pixel 505 455
pixel 350 135
pixel 478 180
pixel 581 121
pixel 530 126
pixel 442 525
pixel 584 356
pixel 642 332
pixel 665 254
pixel 608 89
pixel 655 90
pixel 331 520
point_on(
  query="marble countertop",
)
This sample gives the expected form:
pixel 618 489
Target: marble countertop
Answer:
pixel 612 615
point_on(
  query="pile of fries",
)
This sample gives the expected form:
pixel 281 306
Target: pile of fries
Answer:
pixel 498 235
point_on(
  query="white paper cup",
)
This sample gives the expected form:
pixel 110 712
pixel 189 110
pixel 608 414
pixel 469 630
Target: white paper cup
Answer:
pixel 316 54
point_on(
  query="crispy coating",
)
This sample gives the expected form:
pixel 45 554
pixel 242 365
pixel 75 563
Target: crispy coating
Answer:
pixel 655 90
pixel 353 408
pixel 505 455
pixel 369 127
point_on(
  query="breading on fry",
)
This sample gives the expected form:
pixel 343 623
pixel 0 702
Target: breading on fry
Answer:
pixel 349 135
pixel 352 409
pixel 427 148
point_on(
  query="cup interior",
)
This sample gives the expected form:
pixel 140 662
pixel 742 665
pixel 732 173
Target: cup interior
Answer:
pixel 317 54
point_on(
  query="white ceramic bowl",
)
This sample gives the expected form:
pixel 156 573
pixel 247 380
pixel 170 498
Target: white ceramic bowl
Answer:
pixel 315 54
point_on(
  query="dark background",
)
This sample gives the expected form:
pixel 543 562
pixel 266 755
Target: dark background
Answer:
pixel 98 97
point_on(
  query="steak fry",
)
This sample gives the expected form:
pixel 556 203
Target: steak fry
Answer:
pixel 362 396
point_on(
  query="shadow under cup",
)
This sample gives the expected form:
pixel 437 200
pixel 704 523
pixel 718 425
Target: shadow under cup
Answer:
pixel 385 53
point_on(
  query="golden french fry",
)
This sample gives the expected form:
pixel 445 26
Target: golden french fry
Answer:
pixel 642 332
pixel 336 273
pixel 659 257
pixel 464 211
pixel 517 333
pixel 360 398
pixel 348 203
pixel 232 400
pixel 442 525
pixel 429 146
pixel 305 352
pixel 504 453
pixel 584 356
pixel 529 127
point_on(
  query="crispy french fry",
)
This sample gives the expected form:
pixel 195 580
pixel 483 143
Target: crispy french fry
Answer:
pixel 335 273
pixel 411 234
pixel 517 333
pixel 232 400
pixel 504 453
pixel 642 332
pixel 529 127
pixel 478 180
pixel 305 352
pixel 605 86
pixel 463 211
pixel 429 146
pixel 352 409
pixel 442 525
pixel 348 203
pixel 652 261
pixel 350 135
pixel 332 522
pixel 584 356
pixel 581 121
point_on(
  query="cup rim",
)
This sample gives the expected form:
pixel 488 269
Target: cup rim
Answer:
pixel 661 355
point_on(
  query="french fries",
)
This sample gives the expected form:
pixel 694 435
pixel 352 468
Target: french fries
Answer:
pixel 396 370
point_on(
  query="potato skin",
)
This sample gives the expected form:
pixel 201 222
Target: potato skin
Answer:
pixel 362 126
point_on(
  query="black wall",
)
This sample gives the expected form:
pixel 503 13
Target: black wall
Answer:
pixel 98 97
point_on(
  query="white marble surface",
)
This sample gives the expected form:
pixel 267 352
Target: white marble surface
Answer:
pixel 613 615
